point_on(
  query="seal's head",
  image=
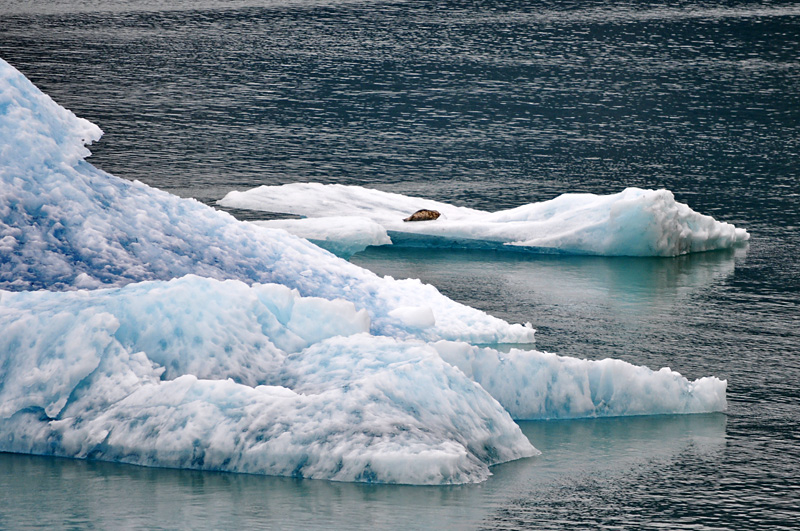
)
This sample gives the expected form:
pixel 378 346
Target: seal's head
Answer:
pixel 423 215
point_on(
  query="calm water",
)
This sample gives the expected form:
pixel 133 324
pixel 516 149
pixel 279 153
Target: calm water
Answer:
pixel 488 105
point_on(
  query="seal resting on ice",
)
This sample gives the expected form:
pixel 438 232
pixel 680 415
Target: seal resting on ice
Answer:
pixel 423 215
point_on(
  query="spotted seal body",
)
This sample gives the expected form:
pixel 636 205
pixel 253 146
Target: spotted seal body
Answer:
pixel 423 215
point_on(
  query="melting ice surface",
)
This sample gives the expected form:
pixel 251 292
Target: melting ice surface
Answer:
pixel 144 328
pixel 633 222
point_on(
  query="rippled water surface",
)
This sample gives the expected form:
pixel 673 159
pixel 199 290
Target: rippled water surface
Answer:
pixel 488 105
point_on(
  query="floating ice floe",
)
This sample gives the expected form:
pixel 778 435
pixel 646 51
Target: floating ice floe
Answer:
pixel 633 222
pixel 144 328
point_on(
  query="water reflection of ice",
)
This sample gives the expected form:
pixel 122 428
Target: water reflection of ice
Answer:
pixel 621 282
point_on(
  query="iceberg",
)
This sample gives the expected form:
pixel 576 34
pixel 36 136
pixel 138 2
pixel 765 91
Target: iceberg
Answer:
pixel 219 375
pixel 143 328
pixel 633 222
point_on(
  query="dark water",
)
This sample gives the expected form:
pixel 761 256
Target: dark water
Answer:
pixel 488 105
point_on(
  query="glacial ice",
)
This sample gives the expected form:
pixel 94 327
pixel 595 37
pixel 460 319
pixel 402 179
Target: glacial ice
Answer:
pixel 143 328
pixel 633 222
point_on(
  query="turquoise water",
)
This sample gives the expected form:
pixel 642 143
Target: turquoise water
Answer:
pixel 488 105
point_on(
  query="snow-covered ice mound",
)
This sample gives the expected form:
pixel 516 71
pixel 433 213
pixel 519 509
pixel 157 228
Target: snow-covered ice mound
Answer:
pixel 199 373
pixel 144 328
pixel 633 222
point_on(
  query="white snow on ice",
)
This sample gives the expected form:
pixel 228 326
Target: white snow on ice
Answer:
pixel 633 222
pixel 144 328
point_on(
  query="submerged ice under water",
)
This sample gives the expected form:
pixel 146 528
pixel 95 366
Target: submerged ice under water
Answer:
pixel 332 373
